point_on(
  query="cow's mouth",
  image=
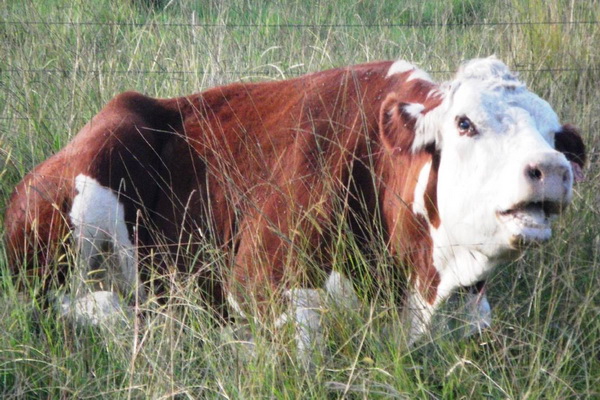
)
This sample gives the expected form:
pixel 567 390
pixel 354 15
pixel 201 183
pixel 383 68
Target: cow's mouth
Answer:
pixel 530 222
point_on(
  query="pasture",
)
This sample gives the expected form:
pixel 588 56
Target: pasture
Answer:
pixel 61 61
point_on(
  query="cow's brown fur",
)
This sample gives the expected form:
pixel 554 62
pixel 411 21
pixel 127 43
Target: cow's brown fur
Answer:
pixel 263 169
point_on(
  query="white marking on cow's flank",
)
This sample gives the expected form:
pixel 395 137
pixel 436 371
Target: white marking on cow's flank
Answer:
pixel 98 219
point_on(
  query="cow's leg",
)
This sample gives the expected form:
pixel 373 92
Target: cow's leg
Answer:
pixel 478 310
pixel 420 312
pixel 94 309
pixel 307 308
pixel 340 291
pixel 276 265
pixel 90 236
pixel 476 307
pixel 128 280
pixel 304 310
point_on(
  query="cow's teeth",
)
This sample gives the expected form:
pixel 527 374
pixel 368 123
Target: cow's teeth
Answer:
pixel 528 222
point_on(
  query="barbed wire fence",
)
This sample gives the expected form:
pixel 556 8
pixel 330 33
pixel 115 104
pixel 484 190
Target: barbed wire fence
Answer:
pixel 301 25
pixel 11 70
pixel 195 25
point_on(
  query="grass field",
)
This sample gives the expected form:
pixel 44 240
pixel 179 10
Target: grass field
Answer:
pixel 61 61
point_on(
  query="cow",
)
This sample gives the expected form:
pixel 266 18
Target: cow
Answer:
pixel 453 178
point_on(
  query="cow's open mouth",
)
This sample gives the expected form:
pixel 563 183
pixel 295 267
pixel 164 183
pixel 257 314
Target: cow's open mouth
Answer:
pixel 530 221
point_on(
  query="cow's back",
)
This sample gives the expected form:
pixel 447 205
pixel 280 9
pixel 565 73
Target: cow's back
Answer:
pixel 248 140
pixel 206 165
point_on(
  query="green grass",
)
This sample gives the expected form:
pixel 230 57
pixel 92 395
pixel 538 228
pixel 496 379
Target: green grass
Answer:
pixel 545 342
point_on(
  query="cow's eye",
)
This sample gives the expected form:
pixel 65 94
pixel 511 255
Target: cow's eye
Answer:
pixel 465 126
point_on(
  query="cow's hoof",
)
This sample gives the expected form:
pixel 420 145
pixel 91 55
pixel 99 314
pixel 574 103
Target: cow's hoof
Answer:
pixel 102 308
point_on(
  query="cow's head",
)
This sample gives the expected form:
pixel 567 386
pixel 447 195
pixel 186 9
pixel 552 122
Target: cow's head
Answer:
pixel 506 166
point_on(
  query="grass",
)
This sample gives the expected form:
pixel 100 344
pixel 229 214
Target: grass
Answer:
pixel 545 342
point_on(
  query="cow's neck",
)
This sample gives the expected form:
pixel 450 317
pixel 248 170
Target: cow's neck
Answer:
pixel 457 265
pixel 418 239
pixel 407 218
pixel 417 236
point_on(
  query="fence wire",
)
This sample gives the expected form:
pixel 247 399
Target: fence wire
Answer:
pixel 11 70
pixel 193 25
pixel 70 72
pixel 304 25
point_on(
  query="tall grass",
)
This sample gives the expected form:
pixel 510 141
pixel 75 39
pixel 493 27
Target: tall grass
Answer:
pixel 545 342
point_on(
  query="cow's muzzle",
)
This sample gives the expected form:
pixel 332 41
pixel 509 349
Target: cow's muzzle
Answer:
pixel 547 181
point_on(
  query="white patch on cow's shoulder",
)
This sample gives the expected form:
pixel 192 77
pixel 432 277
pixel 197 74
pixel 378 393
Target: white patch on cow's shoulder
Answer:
pixel 402 66
pixel 418 206
pixel 457 266
pixel 102 239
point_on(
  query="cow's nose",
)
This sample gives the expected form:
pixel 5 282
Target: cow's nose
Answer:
pixel 543 172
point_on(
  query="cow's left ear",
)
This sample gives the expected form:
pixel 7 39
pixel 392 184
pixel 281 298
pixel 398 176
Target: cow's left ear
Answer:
pixel 397 124
pixel 568 141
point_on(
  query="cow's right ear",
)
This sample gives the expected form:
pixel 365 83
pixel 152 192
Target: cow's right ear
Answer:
pixel 397 124
pixel 568 141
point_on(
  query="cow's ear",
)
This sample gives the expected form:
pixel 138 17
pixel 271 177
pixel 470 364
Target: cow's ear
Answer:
pixel 397 124
pixel 568 141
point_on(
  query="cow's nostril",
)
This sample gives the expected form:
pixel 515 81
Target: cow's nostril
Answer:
pixel 535 173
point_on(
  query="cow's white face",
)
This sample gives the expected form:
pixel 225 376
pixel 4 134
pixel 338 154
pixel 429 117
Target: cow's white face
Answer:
pixel 500 180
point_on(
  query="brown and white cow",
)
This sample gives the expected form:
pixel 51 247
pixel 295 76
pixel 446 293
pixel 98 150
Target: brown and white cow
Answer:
pixel 455 178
